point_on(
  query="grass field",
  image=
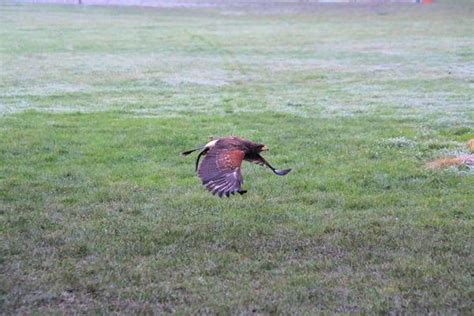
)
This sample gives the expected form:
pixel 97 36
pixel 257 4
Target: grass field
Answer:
pixel 100 214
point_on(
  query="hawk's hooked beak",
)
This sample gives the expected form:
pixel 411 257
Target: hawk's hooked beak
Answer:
pixel 265 148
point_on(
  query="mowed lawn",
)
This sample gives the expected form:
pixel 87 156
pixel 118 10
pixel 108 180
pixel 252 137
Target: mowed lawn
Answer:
pixel 100 213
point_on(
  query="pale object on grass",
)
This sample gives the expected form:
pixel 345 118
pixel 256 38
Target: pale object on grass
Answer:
pixel 470 144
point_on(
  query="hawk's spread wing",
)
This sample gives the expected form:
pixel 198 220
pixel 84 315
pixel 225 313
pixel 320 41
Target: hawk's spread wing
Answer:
pixel 220 171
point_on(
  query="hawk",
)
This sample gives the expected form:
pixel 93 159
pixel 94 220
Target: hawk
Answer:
pixel 220 170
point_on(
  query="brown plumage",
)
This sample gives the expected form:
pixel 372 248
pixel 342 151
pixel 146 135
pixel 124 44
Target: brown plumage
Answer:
pixel 467 160
pixel 220 170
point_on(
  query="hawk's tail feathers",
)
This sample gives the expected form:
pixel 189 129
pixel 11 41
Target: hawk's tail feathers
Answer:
pixel 281 172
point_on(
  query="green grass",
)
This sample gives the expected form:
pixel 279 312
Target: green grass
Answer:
pixel 100 214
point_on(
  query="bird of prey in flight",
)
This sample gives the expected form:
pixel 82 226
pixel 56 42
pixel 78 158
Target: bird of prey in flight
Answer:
pixel 220 170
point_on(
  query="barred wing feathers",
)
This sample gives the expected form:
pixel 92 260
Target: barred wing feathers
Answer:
pixel 220 171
